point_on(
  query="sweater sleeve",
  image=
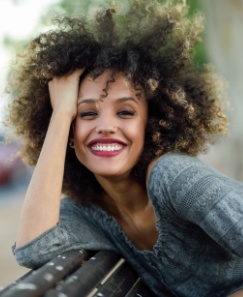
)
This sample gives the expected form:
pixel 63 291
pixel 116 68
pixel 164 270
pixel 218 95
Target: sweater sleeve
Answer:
pixel 73 232
pixel 196 193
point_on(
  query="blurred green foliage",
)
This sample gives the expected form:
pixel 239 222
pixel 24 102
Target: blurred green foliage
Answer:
pixel 200 53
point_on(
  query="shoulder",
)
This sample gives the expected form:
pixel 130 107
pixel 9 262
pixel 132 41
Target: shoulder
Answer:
pixel 172 164
pixel 173 175
pixel 71 210
pixel 183 181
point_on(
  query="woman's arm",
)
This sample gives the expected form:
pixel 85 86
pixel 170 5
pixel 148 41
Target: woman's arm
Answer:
pixel 42 201
pixel 75 231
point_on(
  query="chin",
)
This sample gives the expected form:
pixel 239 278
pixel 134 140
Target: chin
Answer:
pixel 111 174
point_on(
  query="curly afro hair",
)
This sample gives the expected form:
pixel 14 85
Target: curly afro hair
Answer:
pixel 153 45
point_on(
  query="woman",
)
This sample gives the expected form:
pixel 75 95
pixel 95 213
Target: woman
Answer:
pixel 112 111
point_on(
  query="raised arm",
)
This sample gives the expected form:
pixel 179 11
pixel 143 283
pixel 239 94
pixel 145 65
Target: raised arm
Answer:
pixel 42 201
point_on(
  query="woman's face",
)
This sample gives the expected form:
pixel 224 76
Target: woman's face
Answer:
pixel 109 134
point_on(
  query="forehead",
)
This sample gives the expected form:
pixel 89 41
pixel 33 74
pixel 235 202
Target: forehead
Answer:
pixel 107 82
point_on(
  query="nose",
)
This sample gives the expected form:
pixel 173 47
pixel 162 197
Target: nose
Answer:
pixel 106 122
pixel 106 128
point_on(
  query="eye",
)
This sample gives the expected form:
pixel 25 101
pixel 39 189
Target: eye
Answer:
pixel 87 115
pixel 126 113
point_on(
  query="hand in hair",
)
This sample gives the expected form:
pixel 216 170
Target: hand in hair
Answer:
pixel 64 93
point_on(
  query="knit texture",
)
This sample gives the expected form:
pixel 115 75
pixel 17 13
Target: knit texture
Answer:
pixel 199 215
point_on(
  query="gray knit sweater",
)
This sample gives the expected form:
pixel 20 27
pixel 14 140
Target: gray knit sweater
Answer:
pixel 199 214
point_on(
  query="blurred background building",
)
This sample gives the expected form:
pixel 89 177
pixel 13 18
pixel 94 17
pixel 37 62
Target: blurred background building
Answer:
pixel 21 20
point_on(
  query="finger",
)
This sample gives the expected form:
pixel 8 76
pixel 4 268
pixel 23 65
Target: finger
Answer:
pixel 78 72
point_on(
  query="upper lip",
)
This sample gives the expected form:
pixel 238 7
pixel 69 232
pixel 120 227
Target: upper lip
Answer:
pixel 105 140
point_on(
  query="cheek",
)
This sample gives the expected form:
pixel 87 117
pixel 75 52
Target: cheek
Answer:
pixel 137 132
pixel 80 131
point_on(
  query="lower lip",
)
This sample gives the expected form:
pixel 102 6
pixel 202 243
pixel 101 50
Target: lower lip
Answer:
pixel 106 153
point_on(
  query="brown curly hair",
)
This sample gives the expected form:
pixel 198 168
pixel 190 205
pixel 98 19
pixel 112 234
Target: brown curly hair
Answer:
pixel 153 45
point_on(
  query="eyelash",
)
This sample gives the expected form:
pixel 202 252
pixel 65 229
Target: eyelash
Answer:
pixel 87 114
pixel 123 113
pixel 126 113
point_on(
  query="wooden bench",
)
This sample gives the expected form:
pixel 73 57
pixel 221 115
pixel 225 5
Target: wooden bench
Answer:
pixel 80 274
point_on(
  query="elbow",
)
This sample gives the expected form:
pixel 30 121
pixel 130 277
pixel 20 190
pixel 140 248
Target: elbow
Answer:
pixel 42 249
pixel 32 259
pixel 27 259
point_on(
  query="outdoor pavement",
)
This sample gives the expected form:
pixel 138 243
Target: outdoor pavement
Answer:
pixel 11 199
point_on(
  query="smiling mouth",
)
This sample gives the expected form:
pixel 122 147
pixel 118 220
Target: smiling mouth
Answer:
pixel 107 147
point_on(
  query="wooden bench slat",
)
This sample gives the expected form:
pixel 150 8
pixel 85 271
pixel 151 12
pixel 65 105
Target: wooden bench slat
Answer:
pixel 140 290
pixel 83 280
pixel 81 274
pixel 119 284
pixel 37 282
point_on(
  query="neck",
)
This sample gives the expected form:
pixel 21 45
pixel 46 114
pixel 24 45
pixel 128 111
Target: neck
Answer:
pixel 124 196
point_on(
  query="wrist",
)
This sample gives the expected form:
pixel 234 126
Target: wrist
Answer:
pixel 62 115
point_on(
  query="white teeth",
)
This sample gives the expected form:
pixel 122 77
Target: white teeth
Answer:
pixel 111 147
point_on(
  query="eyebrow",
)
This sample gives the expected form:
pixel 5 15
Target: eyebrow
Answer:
pixel 87 101
pixel 122 99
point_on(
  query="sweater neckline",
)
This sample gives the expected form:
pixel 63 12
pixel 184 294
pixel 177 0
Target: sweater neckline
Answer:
pixel 109 223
